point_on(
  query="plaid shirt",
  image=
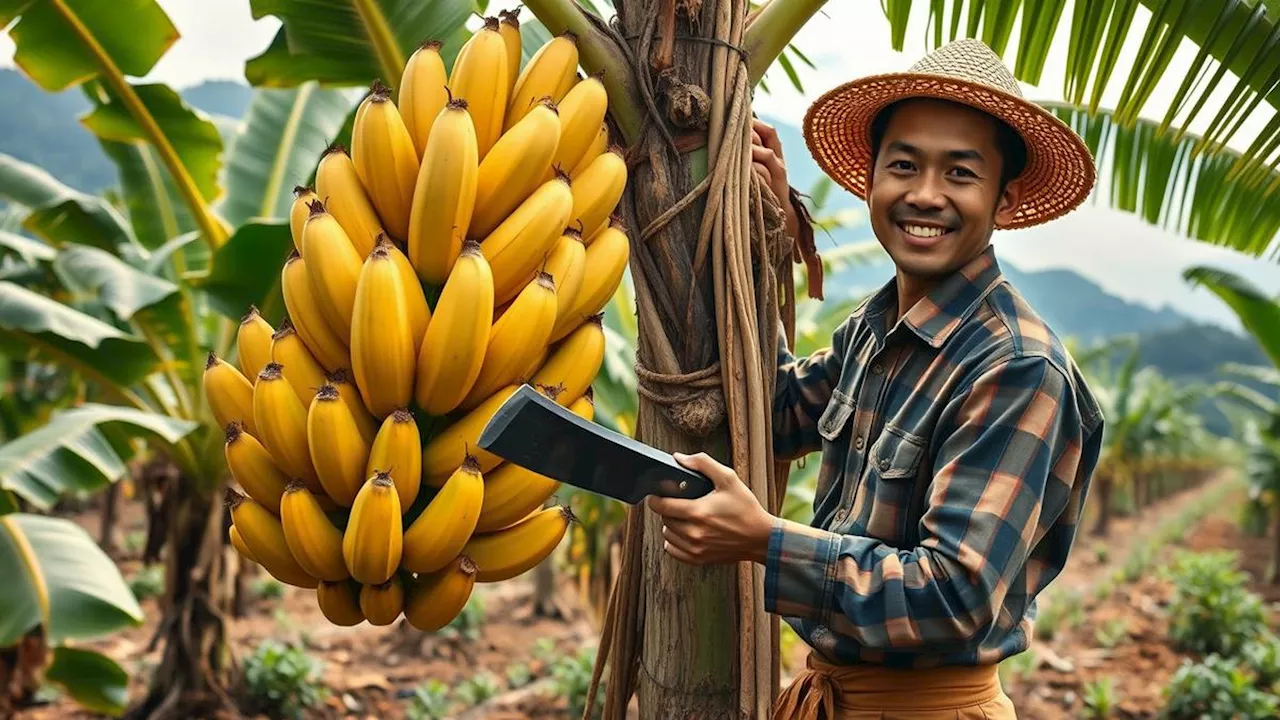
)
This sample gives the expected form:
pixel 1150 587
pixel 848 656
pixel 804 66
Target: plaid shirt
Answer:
pixel 957 450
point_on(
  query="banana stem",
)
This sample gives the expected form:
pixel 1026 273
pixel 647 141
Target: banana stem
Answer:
pixel 211 229
pixel 772 29
pixel 390 60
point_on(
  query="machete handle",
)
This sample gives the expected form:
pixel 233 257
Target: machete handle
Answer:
pixel 689 485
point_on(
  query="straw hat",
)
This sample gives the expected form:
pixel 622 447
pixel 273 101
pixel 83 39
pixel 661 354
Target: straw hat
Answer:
pixel 1059 173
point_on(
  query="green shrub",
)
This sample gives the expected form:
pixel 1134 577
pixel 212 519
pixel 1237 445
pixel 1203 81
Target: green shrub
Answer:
pixel 571 676
pixel 148 582
pixel 1101 552
pixel 518 675
pixel 1263 658
pixel 476 689
pixel 1111 632
pixel 268 588
pixel 430 701
pixel 1013 668
pixel 282 680
pixel 1059 609
pixel 1100 699
pixel 1212 611
pixel 1216 688
pixel 468 622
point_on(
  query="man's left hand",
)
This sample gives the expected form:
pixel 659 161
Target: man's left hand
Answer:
pixel 724 526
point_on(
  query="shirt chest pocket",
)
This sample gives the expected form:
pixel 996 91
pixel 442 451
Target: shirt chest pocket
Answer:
pixel 890 487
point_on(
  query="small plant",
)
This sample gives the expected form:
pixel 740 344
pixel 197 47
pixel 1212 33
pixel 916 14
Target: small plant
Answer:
pixel 1216 688
pixel 1136 566
pixel 1103 589
pixel 268 588
pixel 134 541
pixel 467 624
pixel 282 680
pixel 1263 658
pixel 430 701
pixel 518 675
pixel 1111 632
pixel 1212 611
pixel 1018 666
pixel 1062 608
pixel 1101 552
pixel 148 582
pixel 544 651
pixel 1099 699
pixel 476 689
pixel 572 679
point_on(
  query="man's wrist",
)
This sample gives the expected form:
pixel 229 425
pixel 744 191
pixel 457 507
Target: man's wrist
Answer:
pixel 762 532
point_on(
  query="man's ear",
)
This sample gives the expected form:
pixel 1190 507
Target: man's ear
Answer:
pixel 1009 201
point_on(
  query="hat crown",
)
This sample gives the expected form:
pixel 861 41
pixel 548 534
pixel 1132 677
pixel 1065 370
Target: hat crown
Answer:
pixel 971 60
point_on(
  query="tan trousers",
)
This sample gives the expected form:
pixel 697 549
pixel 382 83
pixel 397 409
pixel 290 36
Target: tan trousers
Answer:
pixel 874 692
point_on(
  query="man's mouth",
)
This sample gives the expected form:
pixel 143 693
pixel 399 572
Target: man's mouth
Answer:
pixel 924 232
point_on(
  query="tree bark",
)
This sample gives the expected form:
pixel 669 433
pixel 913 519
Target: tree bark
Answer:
pixel 1103 526
pixel 1273 573
pixel 544 591
pixel 110 506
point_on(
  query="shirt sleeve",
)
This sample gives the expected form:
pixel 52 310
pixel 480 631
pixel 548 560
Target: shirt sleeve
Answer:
pixel 801 393
pixel 1009 449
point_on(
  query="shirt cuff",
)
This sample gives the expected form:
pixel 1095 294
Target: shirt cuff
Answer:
pixel 800 570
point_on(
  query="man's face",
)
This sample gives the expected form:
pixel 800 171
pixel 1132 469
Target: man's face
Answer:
pixel 934 194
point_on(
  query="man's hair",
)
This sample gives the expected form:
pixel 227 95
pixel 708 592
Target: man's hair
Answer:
pixel 1013 151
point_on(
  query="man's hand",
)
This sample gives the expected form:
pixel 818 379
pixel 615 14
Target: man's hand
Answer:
pixel 724 526
pixel 766 160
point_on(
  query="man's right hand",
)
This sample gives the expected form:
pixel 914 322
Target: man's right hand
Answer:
pixel 766 160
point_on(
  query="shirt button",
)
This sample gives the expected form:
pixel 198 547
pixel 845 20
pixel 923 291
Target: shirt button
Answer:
pixel 839 516
pixel 877 369
pixel 884 465
pixel 858 443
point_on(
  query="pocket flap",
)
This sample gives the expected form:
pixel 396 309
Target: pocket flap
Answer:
pixel 895 455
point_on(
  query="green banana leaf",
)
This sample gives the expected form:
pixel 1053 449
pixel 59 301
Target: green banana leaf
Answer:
pixel 1259 314
pixel 246 271
pixel 284 133
pixel 59 214
pixel 155 208
pixel 30 250
pixel 97 682
pixel 99 351
pixel 73 452
pixel 351 44
pixel 58 578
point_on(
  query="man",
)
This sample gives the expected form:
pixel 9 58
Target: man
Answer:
pixel 958 438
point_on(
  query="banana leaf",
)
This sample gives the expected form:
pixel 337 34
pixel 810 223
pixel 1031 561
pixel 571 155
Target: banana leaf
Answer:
pixel 1259 314
pixel 59 214
pixel 246 271
pixel 97 682
pixel 30 250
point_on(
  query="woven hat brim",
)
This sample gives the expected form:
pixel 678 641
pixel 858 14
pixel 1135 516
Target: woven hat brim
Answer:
pixel 1059 174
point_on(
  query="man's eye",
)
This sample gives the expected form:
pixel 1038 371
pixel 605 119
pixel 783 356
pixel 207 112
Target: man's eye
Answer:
pixel 901 165
pixel 965 172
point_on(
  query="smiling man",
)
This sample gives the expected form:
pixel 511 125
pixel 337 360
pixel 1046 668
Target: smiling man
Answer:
pixel 958 438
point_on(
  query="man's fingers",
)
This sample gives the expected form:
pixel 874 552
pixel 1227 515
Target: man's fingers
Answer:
pixel 680 554
pixel 719 474
pixel 678 508
pixel 677 533
pixel 766 156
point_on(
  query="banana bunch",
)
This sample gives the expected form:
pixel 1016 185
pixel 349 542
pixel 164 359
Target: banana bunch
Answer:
pixel 464 245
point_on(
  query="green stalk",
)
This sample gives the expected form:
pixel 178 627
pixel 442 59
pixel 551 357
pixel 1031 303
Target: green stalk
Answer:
pixel 390 60
pixel 772 29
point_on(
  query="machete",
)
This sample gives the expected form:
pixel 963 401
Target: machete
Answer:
pixel 540 435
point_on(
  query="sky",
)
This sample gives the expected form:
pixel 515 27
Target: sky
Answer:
pixel 848 39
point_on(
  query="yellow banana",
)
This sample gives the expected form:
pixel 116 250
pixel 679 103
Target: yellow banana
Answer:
pixel 566 265
pixel 422 94
pixel 312 538
pixel 514 550
pixel 445 194
pixel 325 344
pixel 229 393
pixel 333 268
pixel 397 451
pixel 237 542
pixel 519 162
pixel 436 599
pixel 603 268
pixel 597 190
pixel 383 343
pixel 509 29
pixel 385 159
pixel 300 368
pixel 516 339
pixel 253 344
pixel 340 602
pixel 374 537
pixel 581 119
pixel 282 425
pixel 382 604
pixel 479 76
pixel 419 311
pixel 512 493
pixel 598 145
pixel 338 187
pixel 445 452
pixel 263 535
pixel 550 73
pixel 298 212
pixel 573 364
pixel 338 448
pixel 439 533
pixel 519 244
pixel 341 379
pixel 453 350
pixel 253 468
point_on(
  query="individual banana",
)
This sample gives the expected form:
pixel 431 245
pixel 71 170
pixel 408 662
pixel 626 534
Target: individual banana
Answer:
pixel 298 212
pixel 509 29
pixel 551 71
pixel 419 311
pixel 350 394
pixel 339 450
pixel 519 162
pixel 237 542
pixel 436 599
pixel 516 339
pixel 263 535
pixel 397 451
pixel 382 604
pixel 312 538
pixel 519 244
pixel 253 344
pixel 282 425
pixel 440 532
pixel 573 364
pixel 566 265
pixel 373 540
pixel 604 264
pixel 445 452
pixel 581 119
pixel 385 158
pixel 453 350
pixel 597 190
pixel 300 368
pixel 422 93
pixel 324 342
pixel 479 76
pixel 532 367
pixel 598 145
pixel 383 342
pixel 338 187
pixel 253 468
pixel 333 266
pixel 514 550
pixel 230 394
pixel 340 602
pixel 445 194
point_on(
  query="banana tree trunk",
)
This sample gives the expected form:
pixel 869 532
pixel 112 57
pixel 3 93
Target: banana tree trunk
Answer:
pixel 1273 573
pixel 1105 485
